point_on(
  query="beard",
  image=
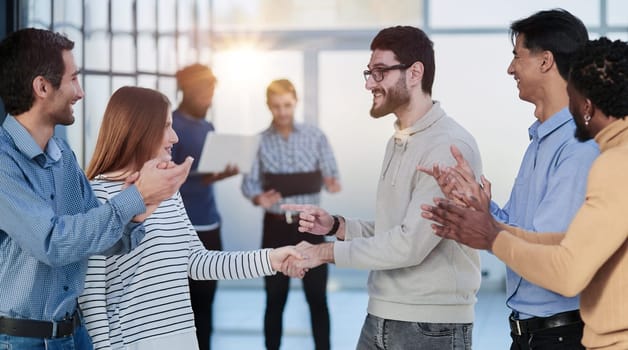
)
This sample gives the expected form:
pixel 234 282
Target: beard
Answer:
pixel 63 116
pixel 61 108
pixel 582 131
pixel 395 97
pixel 582 134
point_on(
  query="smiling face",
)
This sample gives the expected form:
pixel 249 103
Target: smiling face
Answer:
pixel 525 67
pixel 392 92
pixel 69 92
pixel 169 138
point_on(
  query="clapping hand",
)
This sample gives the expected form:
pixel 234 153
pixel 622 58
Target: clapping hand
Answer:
pixel 473 226
pixel 131 179
pixel 458 183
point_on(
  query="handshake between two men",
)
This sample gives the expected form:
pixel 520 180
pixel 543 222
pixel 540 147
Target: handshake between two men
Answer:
pixel 295 261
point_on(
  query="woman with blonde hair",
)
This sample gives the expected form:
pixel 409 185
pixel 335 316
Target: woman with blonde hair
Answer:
pixel 141 300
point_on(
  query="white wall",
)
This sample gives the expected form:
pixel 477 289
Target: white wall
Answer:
pixel 471 82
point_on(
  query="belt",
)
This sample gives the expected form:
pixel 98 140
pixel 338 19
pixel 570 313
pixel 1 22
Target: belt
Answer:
pixel 40 329
pixel 535 324
pixel 290 219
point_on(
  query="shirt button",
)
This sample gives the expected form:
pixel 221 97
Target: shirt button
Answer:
pixel 65 288
pixel 52 196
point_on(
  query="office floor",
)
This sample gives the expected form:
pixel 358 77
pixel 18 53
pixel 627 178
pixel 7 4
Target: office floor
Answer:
pixel 239 312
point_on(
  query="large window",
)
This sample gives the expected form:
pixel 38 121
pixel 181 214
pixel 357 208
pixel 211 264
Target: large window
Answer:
pixel 291 15
pixel 122 42
pixel 250 42
pixel 322 46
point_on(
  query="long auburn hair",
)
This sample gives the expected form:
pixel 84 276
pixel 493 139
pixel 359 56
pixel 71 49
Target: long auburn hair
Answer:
pixel 131 130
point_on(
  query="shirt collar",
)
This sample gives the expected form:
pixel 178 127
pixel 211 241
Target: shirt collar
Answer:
pixel 540 130
pixel 187 117
pixel 434 114
pixel 296 127
pixel 611 135
pixel 25 143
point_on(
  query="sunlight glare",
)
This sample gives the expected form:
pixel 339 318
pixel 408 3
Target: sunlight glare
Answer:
pixel 240 65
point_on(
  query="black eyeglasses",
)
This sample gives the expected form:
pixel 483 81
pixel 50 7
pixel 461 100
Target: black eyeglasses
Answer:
pixel 378 72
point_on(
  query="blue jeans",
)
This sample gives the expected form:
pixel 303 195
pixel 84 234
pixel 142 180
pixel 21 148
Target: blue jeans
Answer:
pixel 381 334
pixel 80 340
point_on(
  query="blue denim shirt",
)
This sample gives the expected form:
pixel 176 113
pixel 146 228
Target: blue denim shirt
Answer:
pixel 548 191
pixel 51 223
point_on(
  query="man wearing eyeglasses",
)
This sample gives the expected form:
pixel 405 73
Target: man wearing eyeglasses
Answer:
pixel 422 289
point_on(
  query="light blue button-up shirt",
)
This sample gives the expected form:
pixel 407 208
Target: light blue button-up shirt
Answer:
pixel 548 190
pixel 306 149
pixel 51 223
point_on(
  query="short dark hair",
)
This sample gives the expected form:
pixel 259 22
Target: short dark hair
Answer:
pixel 557 31
pixel 409 44
pixel 25 55
pixel 600 73
pixel 189 77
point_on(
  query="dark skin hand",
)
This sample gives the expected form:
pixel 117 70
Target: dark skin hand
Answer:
pixel 473 226
pixel 230 170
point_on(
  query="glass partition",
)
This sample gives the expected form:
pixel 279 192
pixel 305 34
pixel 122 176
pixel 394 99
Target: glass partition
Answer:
pixel 322 46
pixel 315 15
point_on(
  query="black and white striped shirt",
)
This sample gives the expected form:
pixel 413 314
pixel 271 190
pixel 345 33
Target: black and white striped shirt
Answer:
pixel 144 294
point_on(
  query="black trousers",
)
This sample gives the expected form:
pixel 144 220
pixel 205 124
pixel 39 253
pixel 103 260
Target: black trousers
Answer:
pixel 202 294
pixel 279 233
pixel 567 337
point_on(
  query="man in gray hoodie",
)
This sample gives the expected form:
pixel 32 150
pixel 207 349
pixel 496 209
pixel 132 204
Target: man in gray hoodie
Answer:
pixel 422 289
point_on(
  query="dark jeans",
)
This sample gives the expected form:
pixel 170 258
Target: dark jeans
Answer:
pixel 381 334
pixel 559 338
pixel 278 233
pixel 202 294
pixel 80 340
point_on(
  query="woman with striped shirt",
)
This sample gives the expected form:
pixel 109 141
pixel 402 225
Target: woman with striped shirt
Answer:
pixel 141 300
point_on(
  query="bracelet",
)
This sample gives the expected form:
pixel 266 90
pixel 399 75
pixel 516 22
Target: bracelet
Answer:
pixel 334 228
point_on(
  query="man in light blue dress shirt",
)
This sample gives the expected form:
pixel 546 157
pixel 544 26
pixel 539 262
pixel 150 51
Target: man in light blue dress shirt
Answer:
pixel 551 182
pixel 51 220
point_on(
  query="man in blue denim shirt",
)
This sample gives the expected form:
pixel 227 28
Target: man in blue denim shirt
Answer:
pixel 51 220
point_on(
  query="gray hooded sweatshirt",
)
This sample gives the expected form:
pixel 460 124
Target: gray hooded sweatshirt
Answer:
pixel 415 275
